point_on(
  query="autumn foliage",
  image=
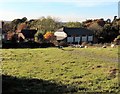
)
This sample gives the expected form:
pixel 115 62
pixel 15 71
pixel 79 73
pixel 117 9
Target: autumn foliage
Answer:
pixel 21 26
pixel 10 35
pixel 48 35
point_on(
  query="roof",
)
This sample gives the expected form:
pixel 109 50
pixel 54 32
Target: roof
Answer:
pixel 60 34
pixel 60 30
pixel 28 33
pixel 77 31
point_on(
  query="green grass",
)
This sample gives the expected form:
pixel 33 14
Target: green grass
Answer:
pixel 70 70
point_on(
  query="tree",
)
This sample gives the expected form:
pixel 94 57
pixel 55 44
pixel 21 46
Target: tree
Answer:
pixel 6 27
pixel 39 37
pixel 117 40
pixel 45 24
pixel 21 26
pixel 111 30
pixel 115 17
pixel 24 19
pixel 108 21
pixel 10 35
pixel 98 31
pixel 48 35
pixel 73 24
pixel 17 22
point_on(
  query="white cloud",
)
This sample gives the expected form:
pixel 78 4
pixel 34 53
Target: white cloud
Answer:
pixel 75 18
pixel 59 1
pixel 10 15
pixel 77 1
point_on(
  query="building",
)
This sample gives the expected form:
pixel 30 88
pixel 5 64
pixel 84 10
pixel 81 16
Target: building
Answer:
pixel 29 33
pixel 77 35
pixel 19 35
pixel 26 34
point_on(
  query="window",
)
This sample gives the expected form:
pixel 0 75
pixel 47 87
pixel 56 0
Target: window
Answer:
pixel 84 38
pixel 77 39
pixel 69 39
pixel 90 38
pixel 3 37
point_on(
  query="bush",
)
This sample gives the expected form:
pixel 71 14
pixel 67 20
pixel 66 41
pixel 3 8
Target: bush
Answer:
pixel 117 40
pixel 89 44
pixel 84 43
pixel 64 44
pixel 98 45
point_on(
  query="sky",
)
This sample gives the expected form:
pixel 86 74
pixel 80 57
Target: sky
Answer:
pixel 61 10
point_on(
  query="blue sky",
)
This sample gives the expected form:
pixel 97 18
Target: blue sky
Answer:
pixel 69 10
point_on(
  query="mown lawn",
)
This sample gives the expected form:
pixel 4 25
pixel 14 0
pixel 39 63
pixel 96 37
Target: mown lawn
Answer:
pixel 56 70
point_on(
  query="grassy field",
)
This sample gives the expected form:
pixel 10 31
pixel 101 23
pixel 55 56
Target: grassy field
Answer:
pixel 56 70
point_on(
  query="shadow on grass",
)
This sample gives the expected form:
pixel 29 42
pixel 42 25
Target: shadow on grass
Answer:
pixel 26 45
pixel 33 86
pixel 14 85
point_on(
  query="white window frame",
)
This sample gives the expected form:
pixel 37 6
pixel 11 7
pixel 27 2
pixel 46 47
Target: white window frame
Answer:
pixel 69 39
pixel 84 38
pixel 90 38
pixel 77 39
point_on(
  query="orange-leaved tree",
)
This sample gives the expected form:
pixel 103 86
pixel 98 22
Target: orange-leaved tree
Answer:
pixel 48 35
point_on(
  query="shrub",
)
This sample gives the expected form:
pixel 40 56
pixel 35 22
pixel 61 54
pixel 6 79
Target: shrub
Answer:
pixel 62 43
pixel 117 40
pixel 84 43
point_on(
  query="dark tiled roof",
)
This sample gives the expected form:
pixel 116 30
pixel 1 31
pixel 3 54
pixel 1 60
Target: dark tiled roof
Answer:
pixel 77 31
pixel 28 33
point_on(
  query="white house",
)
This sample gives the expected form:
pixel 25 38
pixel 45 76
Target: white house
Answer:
pixel 78 35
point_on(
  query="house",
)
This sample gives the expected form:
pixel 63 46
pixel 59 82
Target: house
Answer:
pixel 77 35
pixel 27 34
pixel 19 35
